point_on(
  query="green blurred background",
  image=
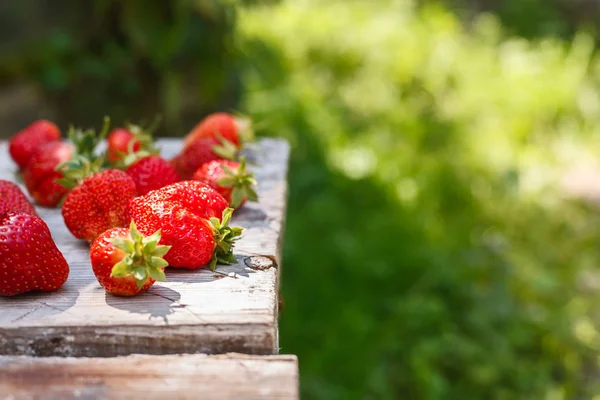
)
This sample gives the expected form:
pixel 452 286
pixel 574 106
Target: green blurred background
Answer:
pixel 432 250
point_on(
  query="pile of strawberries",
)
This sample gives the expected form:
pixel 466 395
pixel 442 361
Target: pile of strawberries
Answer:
pixel 139 211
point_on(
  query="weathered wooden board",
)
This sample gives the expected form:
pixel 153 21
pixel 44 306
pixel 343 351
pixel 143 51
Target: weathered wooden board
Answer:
pixel 230 376
pixel 195 312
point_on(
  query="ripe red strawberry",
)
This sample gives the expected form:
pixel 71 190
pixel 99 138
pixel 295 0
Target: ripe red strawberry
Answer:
pixel 151 173
pixel 98 202
pixel 202 151
pixel 230 178
pixel 127 263
pixel 12 198
pixel 29 258
pixel 119 142
pixel 193 219
pixel 24 143
pixel 234 129
pixel 123 141
pixel 40 176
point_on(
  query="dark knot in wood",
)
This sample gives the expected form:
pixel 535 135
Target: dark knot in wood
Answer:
pixel 259 263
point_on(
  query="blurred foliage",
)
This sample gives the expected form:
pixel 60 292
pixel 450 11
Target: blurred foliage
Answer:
pixel 128 59
pixel 535 18
pixel 429 253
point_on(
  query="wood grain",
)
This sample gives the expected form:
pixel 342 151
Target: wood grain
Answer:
pixel 194 312
pixel 230 376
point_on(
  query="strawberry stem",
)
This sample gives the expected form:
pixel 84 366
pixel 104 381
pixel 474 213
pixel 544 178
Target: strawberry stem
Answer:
pixel 86 141
pixel 241 181
pixel 77 169
pixel 143 257
pixel 225 237
pixel 225 149
pixel 143 136
pixel 245 127
pixel 84 161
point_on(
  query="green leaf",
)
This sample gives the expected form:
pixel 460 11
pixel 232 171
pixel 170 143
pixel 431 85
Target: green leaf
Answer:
pixel 236 231
pixel 157 262
pixel 230 258
pixel 216 223
pixel 242 166
pixel 140 283
pixel 160 251
pixel 157 274
pixel 251 194
pixel 228 171
pixel 123 244
pixel 237 196
pixel 226 182
pixel 140 273
pixel 105 128
pixel 155 237
pixel 120 270
pixel 226 149
pixel 134 233
pixel 213 263
pixel 149 247
pixel 226 216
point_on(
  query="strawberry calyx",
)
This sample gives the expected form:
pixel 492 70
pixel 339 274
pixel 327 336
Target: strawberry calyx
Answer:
pixel 241 181
pixel 77 169
pixel 225 148
pixel 143 257
pixel 86 141
pixel 84 162
pixel 143 136
pixel 134 157
pixel 225 237
pixel 245 128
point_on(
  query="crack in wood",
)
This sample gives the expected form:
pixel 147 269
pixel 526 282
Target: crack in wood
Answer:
pixel 26 314
pixel 52 307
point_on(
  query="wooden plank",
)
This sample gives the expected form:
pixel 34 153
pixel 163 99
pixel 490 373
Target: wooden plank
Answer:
pixel 231 376
pixel 195 312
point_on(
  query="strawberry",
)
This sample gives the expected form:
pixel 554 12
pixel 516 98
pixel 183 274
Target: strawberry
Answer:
pixel 123 141
pixel 29 258
pixel 230 178
pixel 234 129
pixel 150 173
pixel 12 198
pixel 40 175
pixel 97 201
pixel 119 141
pixel 194 221
pixel 24 143
pixel 202 151
pixel 127 263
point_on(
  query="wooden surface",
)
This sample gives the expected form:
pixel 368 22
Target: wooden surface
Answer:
pixel 194 312
pixel 230 376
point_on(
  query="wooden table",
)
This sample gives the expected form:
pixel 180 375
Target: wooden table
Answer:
pixel 194 312
pixel 228 376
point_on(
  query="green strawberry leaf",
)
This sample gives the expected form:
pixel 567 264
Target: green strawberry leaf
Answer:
pixel 143 257
pixel 157 274
pixel 160 251
pixel 121 269
pixel 140 273
pixel 157 262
